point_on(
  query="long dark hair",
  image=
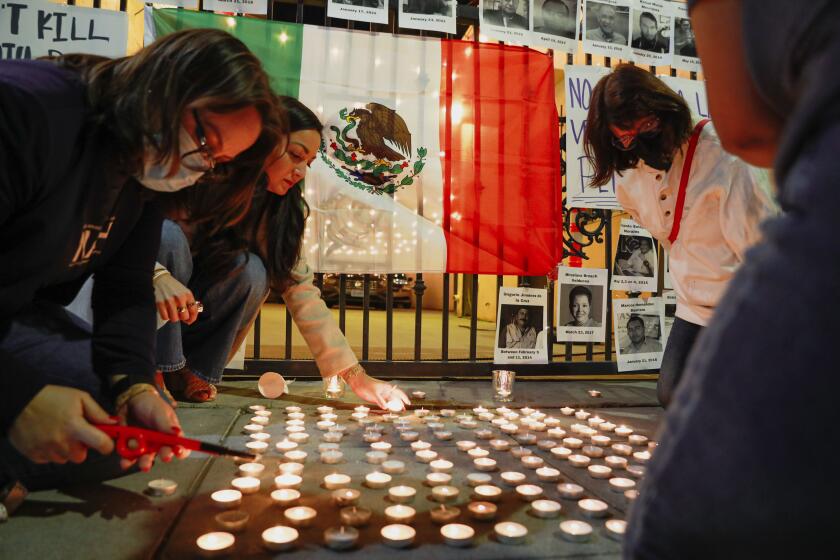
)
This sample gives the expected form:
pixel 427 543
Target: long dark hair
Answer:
pixel 626 94
pixel 273 228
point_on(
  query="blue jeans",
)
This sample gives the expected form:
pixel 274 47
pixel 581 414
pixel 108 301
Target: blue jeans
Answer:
pixel 229 306
pixel 55 342
pixel 680 342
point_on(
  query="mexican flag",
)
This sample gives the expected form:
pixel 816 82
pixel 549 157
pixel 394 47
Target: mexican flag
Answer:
pixel 436 155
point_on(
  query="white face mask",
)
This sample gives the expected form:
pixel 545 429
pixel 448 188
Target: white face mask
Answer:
pixel 154 175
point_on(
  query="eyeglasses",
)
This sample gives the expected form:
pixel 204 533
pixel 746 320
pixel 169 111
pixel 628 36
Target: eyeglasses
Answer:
pixel 646 130
pixel 202 158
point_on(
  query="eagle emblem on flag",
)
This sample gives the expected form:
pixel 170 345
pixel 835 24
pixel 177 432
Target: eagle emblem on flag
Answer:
pixel 370 148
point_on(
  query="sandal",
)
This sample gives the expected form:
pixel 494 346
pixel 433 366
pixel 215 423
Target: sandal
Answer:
pixel 160 385
pixel 189 387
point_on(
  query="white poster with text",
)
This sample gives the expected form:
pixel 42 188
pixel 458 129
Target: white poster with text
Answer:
pixel 428 15
pixel 371 11
pixel 581 304
pixel 635 266
pixel 606 28
pixel 521 326
pixel 638 333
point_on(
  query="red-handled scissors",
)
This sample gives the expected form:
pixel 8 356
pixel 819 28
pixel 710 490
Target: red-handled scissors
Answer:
pixel 132 442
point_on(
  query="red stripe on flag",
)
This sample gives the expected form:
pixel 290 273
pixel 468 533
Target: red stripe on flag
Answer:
pixel 499 133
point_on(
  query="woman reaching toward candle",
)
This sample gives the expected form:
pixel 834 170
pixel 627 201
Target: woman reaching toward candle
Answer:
pixel 674 178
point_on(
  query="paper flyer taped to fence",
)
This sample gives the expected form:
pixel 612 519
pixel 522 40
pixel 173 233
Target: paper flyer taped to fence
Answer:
pixel 638 333
pixel 581 304
pixel 635 266
pixel 521 326
pixel 606 28
pixel 651 23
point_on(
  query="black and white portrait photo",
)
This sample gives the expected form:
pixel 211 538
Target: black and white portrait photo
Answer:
pixel 584 306
pixel 428 15
pixel 522 324
pixel 651 32
pixel 684 44
pixel 635 267
pixel 581 304
pixel 639 333
pixel 509 14
pixel 556 17
pixel 521 319
pixel 643 335
pixel 607 22
pixel 428 7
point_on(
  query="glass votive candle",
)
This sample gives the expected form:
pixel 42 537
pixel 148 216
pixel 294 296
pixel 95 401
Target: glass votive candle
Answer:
pixel 529 492
pixel 443 435
pixel 620 484
pixel 465 445
pixel 246 484
pixel 332 457
pixel 477 479
pixel 285 497
pixel 441 466
pixel 214 544
pixel 513 478
pixel 292 481
pixel 400 514
pixel 376 457
pixel 592 451
pixel 509 532
pixel 591 507
pixel 335 481
pixel 401 494
pixel 532 462
pixel 561 452
pixel 290 468
pixel 279 538
pixel 444 514
pixel 227 499
pixel 299 437
pixel 251 469
pixel 487 493
pixel 482 511
pixel 257 446
pixel 484 464
pixel 575 531
pixel 545 509
pixel 355 516
pixel 300 516
pixel 570 491
pixel 426 456
pixel 500 444
pixel 599 471
pixel 393 467
pixel 398 535
pixel 233 521
pixel 445 494
pixel 579 461
pixel 295 456
pixel 457 534
pixel 420 446
pixel 548 474
pixel 377 480
pixel 346 497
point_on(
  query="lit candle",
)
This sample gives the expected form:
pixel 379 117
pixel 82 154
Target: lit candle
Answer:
pixel 623 431
pixel 509 428
pixel 636 471
pixel 383 446
pixel 486 416
pixel 260 436
pixel 513 478
pixel 619 484
pixel 420 446
pixel 300 516
pixel 256 407
pixel 599 471
pixel 529 492
pixel 567 411
pixel 372 437
pixel 261 420
pixel 499 422
pixel 532 462
pixel 296 416
pixel 392 466
pixel 345 497
pixel 457 534
pixel 595 421
pixel 551 421
pixel 444 514
pixel 426 456
pixel 579 461
pixel 329 417
pixel 557 433
pixel 418 394
pixel 582 415
pixel 246 484
pixel 332 437
pixel 410 435
pixel 631 494
pixel 484 434
pixel 341 538
pixel 401 494
pixel 482 511
pixel 615 462
pixel 285 497
pixel 395 405
pixel 398 535
pixel 511 416
pixel 355 516
pixel 441 466
pixel 642 456
pixel 601 441
pixel 561 452
pixel 465 445
pixel 468 424
pixel 622 449
pixel 572 443
pixel 637 439
pixel 519 452
pixel 233 520
pixel 335 481
pixel 570 491
pixel 292 481
pixel 324 409
pixel 548 474
pixel 592 451
pixel 250 469
pixel 477 479
pixel 421 412
pixel 331 457
pixel 478 452
pixel 257 446
pixel 500 444
pixel 545 509
pixel 526 438
pixel 359 416
pixel 547 444
pixel 443 435
pixel 162 487
pixel 293 408
pixel 487 493
pixel 290 468
pixel 400 514
pixel 292 429
pixel 607 427
pixel 215 544
pixel 579 428
pixel 593 508
pixel 575 531
pixel 279 538
pixel 227 499
pixel 362 409
pixel 616 528
pixel 299 437
pixel 295 456
pixel 324 425
pixel 447 413
pixel 376 457
pixel 538 427
pixel 377 479
pixel 328 447
pixel 484 464
pixel 444 494
pixel 509 532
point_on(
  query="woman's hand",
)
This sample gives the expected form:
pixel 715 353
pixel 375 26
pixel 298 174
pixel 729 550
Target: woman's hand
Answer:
pixel 373 390
pixel 148 410
pixel 175 302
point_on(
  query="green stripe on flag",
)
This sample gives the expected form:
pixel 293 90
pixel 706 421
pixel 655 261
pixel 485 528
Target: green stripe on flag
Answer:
pixel 278 45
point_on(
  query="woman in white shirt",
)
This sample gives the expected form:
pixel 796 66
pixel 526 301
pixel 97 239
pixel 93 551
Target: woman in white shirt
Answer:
pixel 641 132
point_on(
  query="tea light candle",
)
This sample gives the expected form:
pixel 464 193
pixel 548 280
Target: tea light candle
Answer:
pixel 538 427
pixel 341 538
pixel 478 452
pixel 488 493
pixel 595 420
pixel 260 436
pixel 294 429
pixel 509 428
pixel 420 446
pixel 464 417
pixel 594 393
pixel 285 497
pixel 477 479
pixel 299 437
pixel 290 468
pixel 545 509
pixel 324 425
pixel 616 528
pixel 591 507
pixel 520 452
pixel 401 494
pixel 261 420
pixel 331 457
pixel 575 531
pixel 292 481
pixel 332 437
pixel 572 443
pixel 256 407
pixel 295 456
pixel 376 457
pixel 246 484
pixel 579 461
pixel 551 422
pixel 484 464
pixel 548 474
pixel 400 514
pixel 215 544
pixel 257 446
pixel 355 516
pixel 484 434
pixel 636 471
pixel 324 409
pixel 619 484
pixel 486 416
pixel 377 479
pixel 606 427
pixel 637 439
pixel 526 438
pixel 300 516
pixel 547 444
pixel 162 487
pixel 500 444
pixel 249 469
pixel 622 449
pixel 513 478
pixel 441 466
pixel 438 479
pixel 567 411
pixel 359 416
pixel 623 431
pixel 335 481
pixel 443 435
pixel 532 462
pixel 561 452
pixel 601 441
pixel 444 494
pixel 292 408
pixel 397 535
pixel 468 424
pixel 383 446
pixel 482 511
pixel 296 416
pixel 615 462
pixel 588 432
pixel 592 451
pixel 279 538
pixel 511 416
pixel 569 490
pixel 599 471
pixel 578 428
pixel 328 447
pixel 295 422
pixel 529 492
pixel 329 416
pixel 233 520
pixel 227 499
pixel 509 532
pixel 426 456
pixel 444 514
pixel 582 415
pixel 465 445
pixel 642 456
pixel 346 497
pixel 372 437
pixel 390 417
pixel 409 436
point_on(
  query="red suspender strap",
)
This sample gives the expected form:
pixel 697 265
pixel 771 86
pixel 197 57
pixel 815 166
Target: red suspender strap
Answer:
pixel 686 171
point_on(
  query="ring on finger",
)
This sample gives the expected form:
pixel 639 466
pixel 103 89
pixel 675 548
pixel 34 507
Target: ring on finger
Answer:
pixel 198 305
pixel 181 309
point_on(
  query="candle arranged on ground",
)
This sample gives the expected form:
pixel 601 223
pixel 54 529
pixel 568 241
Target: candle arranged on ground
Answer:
pixel 641 456
pixel 232 520
pixel 622 449
pixel 279 538
pixel 409 435
pixel 331 457
pixel 500 444
pixel 601 441
pixel 398 535
pixel 162 487
pixel 377 479
pixel 595 421
pixel 488 493
pixel 260 436
pixel 341 538
pixel 484 464
pixel 262 420
pixel 572 443
pixel 545 509
pixel 513 478
pixel 509 532
pixel 441 466
pixel 285 497
pixel 395 405
pixel 257 446
pixel 482 511
pixel 592 451
pixel 355 516
pixel 300 516
pixel 457 534
pixel 615 462
pixel 251 469
pixel 401 494
pixel 443 435
pixel 444 514
pixel 561 452
pixel 620 484
pixel 579 461
pixel 582 415
pixel 400 514
pixel 607 427
pixel 393 467
pixel 288 481
pixel 548 474
pixel 324 409
pixel 333 436
pixel 478 452
pixel 567 411
pixel 636 439
pixel 215 544
pixel 636 471
pixel 346 497
pixel 246 484
pixel 335 481
pixel 477 479
pixel 295 456
pixel 616 528
pixel 420 446
pixel 426 456
pixel 509 428
pixel 444 494
pixel 547 444
pixel 296 416
pixel 532 462
pixel 569 490
pixel 290 468
pixel 465 445
pixel 529 492
pixel 593 508
pixel 599 471
pixel 227 499
pixel 299 437
pixel 376 457
pixel 575 531
pixel 255 407
pixel 623 431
